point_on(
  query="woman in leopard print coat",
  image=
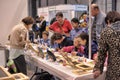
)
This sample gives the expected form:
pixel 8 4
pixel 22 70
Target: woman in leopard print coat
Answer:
pixel 109 43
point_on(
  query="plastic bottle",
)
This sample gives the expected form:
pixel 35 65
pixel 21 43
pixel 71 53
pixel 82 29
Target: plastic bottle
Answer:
pixel 38 41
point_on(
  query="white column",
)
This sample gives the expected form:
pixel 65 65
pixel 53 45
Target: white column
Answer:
pixel 89 29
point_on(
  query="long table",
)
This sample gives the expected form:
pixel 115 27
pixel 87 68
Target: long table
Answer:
pixel 63 72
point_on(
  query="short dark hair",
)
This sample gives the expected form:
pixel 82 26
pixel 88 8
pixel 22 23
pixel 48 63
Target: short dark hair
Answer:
pixel 112 17
pixel 95 6
pixel 46 33
pixel 59 14
pixel 83 13
pixel 84 36
pixel 28 20
pixel 57 36
pixel 75 20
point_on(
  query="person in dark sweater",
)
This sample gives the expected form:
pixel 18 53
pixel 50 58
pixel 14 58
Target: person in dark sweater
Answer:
pixel 84 40
pixel 61 40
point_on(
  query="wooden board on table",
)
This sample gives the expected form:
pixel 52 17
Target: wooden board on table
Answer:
pixel 5 75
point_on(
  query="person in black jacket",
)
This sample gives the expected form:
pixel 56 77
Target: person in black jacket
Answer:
pixel 42 25
pixel 36 28
pixel 61 40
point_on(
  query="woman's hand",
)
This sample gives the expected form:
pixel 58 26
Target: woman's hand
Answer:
pixel 73 53
pixel 96 73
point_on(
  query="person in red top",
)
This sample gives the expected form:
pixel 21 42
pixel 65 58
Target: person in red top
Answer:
pixel 75 49
pixel 62 26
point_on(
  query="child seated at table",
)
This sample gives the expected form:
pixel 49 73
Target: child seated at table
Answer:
pixel 84 40
pixel 44 40
pixel 61 40
pixel 76 49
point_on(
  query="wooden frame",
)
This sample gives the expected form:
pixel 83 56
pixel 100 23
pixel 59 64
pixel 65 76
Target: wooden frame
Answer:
pixel 20 76
pixel 8 76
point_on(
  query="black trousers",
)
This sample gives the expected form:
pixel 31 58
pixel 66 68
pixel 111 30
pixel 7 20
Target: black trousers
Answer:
pixel 20 64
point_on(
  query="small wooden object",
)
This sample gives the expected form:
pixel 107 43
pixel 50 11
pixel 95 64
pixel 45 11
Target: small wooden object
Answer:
pixel 20 76
pixel 5 75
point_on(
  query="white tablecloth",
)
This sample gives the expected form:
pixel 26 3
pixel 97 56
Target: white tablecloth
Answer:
pixel 63 72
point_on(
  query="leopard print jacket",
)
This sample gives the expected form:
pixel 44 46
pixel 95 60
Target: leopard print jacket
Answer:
pixel 110 43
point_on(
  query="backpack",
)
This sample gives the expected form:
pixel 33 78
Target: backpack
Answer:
pixel 43 76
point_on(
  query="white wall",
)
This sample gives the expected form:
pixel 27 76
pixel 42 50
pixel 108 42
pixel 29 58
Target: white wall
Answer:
pixel 11 12
pixel 118 4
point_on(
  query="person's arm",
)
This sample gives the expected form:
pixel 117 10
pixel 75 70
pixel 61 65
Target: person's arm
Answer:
pixel 69 26
pixel 68 49
pixel 79 54
pixel 94 49
pixel 48 43
pixel 51 27
pixel 102 53
pixel 71 35
pixel 23 37
pixel 80 51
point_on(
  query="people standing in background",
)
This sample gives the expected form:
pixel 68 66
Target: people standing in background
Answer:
pixel 83 20
pixel 109 45
pixel 42 25
pixel 98 22
pixel 76 28
pixel 35 27
pixel 62 25
pixel 18 39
